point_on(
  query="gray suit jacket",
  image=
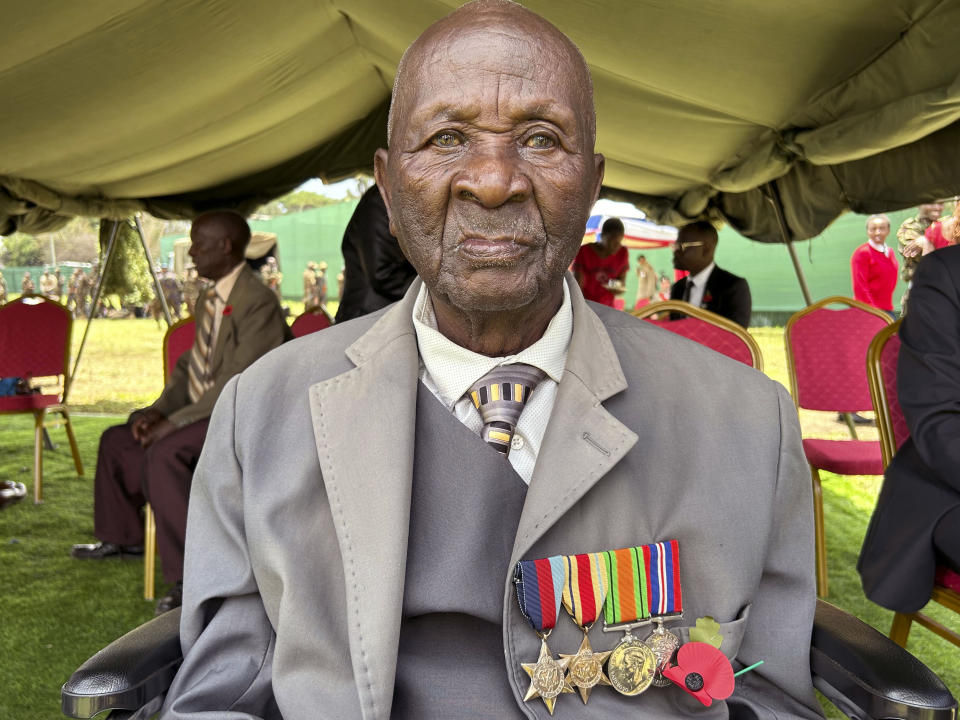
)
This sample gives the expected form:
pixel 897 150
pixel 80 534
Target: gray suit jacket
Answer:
pixel 297 532
pixel 254 326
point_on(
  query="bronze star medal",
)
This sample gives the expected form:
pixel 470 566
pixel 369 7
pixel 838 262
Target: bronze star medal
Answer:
pixel 547 679
pixel 538 584
pixel 585 670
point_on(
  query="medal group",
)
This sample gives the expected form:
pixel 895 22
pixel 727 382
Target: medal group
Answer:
pixel 630 587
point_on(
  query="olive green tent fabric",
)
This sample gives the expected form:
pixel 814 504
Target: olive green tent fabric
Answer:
pixel 174 106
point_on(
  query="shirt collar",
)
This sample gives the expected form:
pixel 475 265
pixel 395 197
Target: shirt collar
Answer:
pixel 700 279
pixel 224 286
pixel 454 369
pixel 879 247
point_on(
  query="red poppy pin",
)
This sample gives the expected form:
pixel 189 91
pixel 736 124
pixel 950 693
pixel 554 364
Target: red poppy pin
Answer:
pixel 707 297
pixel 702 671
pixel 227 310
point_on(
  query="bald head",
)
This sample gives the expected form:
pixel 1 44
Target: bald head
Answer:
pixel 218 241
pixel 491 17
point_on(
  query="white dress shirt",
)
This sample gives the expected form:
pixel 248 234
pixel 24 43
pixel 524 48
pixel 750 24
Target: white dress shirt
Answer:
pixel 448 370
pixel 699 285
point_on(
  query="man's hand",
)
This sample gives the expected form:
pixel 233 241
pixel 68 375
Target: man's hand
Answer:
pixel 913 248
pixel 142 423
pixel 158 430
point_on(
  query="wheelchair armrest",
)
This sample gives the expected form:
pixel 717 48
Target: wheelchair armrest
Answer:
pixel 865 674
pixel 129 673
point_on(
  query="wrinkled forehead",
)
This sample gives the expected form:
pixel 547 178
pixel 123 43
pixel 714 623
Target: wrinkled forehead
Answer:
pixel 472 69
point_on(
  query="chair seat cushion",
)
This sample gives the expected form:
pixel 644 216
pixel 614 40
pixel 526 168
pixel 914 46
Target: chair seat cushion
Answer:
pixel 948 579
pixel 844 457
pixel 26 403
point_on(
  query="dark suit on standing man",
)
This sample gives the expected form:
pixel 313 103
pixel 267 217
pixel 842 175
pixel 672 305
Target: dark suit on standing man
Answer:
pixel 725 294
pixel 129 475
pixel 916 524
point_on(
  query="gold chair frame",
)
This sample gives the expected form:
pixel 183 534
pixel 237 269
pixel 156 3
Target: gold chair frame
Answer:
pixel 818 521
pixel 149 520
pixel 709 317
pixel 900 628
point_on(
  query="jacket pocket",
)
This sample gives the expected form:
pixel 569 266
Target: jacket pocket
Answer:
pixel 732 633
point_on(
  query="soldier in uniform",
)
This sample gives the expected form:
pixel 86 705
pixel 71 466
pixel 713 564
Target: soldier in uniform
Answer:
pixel 191 289
pixel 309 284
pixel 59 280
pixel 271 275
pixel 320 290
pixel 171 290
pixel 48 285
pixel 26 284
pixel 911 242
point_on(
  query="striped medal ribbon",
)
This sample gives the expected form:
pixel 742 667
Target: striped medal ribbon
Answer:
pixel 644 587
pixel 662 562
pixel 584 594
pixel 539 584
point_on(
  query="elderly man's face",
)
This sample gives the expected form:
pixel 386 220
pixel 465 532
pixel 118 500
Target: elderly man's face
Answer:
pixel 931 211
pixel 491 172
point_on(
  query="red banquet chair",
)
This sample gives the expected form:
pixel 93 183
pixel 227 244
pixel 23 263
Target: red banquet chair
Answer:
pixel 176 341
pixel 707 328
pixel 313 319
pixel 826 361
pixel 892 424
pixel 35 337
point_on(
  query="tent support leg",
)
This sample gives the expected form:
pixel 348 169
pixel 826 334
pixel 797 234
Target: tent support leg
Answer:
pixel 773 197
pixel 153 273
pixel 95 300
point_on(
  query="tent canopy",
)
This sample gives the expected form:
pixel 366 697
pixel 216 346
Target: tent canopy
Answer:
pixel 174 106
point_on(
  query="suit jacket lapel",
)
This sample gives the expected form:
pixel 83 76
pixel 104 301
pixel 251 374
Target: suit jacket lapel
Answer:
pixel 364 424
pixel 583 440
pixel 237 297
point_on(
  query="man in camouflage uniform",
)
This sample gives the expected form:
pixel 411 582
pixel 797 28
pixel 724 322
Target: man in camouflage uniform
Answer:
pixel 309 284
pixel 26 284
pixel 911 241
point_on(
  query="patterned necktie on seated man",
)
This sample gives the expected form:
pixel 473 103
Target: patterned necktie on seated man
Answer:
pixel 500 396
pixel 198 371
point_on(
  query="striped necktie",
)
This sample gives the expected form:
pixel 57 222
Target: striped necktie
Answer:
pixel 500 396
pixel 198 371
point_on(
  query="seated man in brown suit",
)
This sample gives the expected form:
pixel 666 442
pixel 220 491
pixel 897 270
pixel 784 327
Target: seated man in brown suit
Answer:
pixel 153 455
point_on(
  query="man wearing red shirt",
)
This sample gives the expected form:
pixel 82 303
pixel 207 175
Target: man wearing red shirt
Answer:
pixel 874 266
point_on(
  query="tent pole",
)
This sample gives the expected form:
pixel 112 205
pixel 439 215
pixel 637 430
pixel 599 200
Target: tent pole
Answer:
pixel 107 257
pixel 153 272
pixel 773 197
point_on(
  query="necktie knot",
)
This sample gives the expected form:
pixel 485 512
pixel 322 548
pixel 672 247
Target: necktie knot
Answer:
pixel 500 396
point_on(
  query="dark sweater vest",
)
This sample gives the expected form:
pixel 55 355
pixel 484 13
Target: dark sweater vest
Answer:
pixel 464 514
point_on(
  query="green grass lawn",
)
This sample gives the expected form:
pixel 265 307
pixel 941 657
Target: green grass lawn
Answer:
pixel 57 611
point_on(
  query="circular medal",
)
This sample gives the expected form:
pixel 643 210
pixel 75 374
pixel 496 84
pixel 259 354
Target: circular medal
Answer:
pixel 547 678
pixel 631 667
pixel 663 644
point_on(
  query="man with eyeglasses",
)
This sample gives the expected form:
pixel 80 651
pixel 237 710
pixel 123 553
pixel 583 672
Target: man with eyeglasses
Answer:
pixel 708 286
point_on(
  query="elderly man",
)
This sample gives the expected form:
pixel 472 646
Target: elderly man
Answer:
pixel 152 456
pixel 357 514
pixel 912 242
pixel 707 285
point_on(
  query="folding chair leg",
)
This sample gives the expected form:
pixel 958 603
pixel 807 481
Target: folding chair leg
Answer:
pixel 900 629
pixel 821 539
pixel 37 458
pixel 74 448
pixel 149 551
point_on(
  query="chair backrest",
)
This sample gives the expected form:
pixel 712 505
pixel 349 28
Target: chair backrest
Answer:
pixel 35 337
pixel 827 354
pixel 312 320
pixel 707 328
pixel 177 340
pixel 882 376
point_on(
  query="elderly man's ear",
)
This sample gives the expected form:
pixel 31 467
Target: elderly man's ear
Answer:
pixel 380 160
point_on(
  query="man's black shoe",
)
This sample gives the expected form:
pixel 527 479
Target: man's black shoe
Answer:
pixel 171 600
pixel 101 550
